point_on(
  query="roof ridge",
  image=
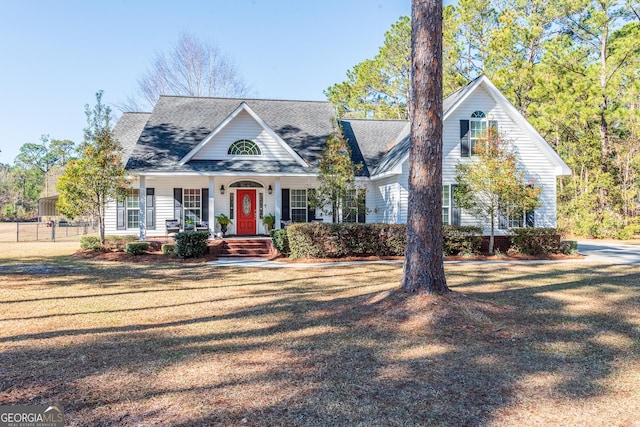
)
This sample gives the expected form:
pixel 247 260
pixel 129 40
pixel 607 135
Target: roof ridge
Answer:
pixel 243 99
pixel 373 120
pixel 469 83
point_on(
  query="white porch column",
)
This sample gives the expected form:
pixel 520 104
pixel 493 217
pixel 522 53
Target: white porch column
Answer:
pixel 143 208
pixel 212 206
pixel 278 202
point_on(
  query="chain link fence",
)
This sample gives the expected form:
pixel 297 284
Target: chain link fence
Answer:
pixel 45 231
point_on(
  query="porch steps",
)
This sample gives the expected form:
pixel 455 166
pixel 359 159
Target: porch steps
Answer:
pixel 249 248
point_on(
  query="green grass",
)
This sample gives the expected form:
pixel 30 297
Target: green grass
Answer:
pixel 193 344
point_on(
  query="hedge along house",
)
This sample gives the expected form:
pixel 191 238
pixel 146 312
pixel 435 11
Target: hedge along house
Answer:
pixel 194 158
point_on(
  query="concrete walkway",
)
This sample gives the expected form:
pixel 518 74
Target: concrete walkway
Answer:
pixel 609 252
pixel 594 251
pixel 264 263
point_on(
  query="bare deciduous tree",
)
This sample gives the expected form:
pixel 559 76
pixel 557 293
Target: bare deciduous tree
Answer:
pixel 191 68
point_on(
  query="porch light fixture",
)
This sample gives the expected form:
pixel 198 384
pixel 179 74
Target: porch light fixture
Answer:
pixel 222 189
pixel 270 190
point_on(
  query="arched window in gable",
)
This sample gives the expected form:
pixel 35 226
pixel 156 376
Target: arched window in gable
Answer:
pixel 472 131
pixel 244 147
pixel 477 129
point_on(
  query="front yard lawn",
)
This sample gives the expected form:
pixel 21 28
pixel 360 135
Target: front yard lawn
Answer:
pixel 193 344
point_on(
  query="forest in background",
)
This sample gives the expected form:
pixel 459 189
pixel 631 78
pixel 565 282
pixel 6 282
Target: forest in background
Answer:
pixel 571 67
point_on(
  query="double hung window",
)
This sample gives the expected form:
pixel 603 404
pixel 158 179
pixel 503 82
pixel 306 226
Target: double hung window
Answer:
pixel 298 205
pixel 446 204
pixel 354 206
pixel 132 205
pixel 192 204
pixel 473 131
pixel 477 130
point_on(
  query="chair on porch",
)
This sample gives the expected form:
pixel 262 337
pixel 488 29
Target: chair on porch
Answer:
pixel 202 226
pixel 172 225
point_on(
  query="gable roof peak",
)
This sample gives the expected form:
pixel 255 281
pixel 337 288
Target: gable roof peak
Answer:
pixel 244 107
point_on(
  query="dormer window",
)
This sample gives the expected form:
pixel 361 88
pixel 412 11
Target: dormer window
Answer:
pixel 244 147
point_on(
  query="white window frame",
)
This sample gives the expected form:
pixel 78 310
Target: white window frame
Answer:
pixel 132 208
pixel 295 204
pixel 240 148
pixel 446 204
pixel 352 203
pixel 478 125
pixel 192 205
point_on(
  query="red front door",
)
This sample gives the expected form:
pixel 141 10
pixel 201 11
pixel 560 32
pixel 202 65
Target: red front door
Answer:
pixel 246 208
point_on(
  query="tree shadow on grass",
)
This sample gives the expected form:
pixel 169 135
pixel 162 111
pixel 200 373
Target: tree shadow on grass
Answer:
pixel 339 351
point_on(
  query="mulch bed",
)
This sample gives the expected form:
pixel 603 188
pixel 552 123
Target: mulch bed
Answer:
pixel 154 256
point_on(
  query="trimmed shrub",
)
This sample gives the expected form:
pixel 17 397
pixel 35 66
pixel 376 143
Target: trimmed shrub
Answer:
pixel 392 239
pixel 536 241
pixel 312 240
pixel 325 240
pixel 137 248
pixel 169 249
pixel 280 241
pixel 461 240
pixel 118 243
pixel 90 242
pixel 569 247
pixel 192 244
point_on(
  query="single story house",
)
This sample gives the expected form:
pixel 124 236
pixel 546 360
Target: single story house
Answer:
pixel 193 158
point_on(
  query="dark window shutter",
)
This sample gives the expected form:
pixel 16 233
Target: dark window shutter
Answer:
pixel 121 222
pixel 464 138
pixel 493 124
pixel 177 204
pixel 286 203
pixel 455 209
pixel 151 209
pixel 531 219
pixel 362 206
pixel 311 212
pixel 205 205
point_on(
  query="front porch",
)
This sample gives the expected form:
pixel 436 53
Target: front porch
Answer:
pixel 160 205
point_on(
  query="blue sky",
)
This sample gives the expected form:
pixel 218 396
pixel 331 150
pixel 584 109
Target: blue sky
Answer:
pixel 58 54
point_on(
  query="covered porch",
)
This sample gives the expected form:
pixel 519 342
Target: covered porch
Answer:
pixel 161 205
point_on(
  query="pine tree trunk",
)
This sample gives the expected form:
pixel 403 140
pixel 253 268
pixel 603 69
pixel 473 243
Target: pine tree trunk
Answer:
pixel 424 262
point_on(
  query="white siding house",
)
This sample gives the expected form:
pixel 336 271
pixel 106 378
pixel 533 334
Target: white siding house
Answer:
pixel 194 158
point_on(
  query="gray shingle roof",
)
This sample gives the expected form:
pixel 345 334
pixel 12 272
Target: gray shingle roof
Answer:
pixel 398 152
pixel 452 99
pixel 177 124
pixel 371 139
pixel 127 131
